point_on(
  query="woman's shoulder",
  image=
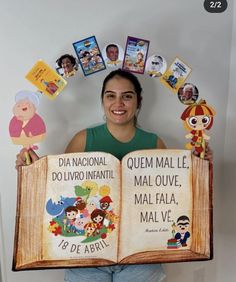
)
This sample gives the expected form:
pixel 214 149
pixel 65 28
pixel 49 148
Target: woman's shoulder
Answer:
pixel 77 143
pixel 145 132
pixel 159 142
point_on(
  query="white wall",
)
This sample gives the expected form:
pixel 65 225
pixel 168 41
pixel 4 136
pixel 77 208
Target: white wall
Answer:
pixel 227 193
pixel 46 29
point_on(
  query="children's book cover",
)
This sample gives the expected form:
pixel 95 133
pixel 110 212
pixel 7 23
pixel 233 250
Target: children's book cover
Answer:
pixel 175 75
pixel 46 79
pixel 135 54
pixel 89 55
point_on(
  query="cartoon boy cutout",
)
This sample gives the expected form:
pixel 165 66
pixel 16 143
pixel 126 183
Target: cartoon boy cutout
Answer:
pixel 183 230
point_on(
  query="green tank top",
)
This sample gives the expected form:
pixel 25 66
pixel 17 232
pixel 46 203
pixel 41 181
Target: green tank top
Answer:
pixel 100 139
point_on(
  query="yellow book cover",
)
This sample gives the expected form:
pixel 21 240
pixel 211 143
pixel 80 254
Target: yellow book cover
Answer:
pixel 175 75
pixel 46 79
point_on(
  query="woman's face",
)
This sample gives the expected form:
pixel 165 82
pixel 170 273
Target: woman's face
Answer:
pixel 119 101
pixel 67 65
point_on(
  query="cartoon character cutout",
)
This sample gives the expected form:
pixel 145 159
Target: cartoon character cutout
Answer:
pixel 26 128
pixel 197 118
pixel 183 230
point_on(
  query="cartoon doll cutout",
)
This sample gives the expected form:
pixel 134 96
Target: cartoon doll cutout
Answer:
pixel 183 230
pixel 26 128
pixel 197 118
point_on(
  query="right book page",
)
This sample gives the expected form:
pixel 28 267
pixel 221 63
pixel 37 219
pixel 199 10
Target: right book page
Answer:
pixel 156 211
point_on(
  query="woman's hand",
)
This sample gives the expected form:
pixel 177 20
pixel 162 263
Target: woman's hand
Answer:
pixel 208 154
pixel 21 158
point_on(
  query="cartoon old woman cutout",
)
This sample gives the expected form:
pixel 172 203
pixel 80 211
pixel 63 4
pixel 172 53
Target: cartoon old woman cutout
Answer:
pixel 197 118
pixel 26 128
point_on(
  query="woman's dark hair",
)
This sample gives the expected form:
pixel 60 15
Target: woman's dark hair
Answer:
pixel 70 57
pixel 129 76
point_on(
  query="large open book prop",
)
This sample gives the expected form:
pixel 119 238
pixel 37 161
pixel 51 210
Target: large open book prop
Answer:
pixel 90 209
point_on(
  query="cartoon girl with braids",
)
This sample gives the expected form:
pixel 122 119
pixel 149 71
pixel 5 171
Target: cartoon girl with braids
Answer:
pixel 197 118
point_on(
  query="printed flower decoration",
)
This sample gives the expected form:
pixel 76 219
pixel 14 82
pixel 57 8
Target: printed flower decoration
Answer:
pixel 92 185
pixel 53 225
pixel 104 190
pixel 110 228
pixel 55 228
pixel 57 231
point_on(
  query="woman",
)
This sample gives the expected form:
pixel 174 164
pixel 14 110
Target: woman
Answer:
pixel 121 100
pixel 68 64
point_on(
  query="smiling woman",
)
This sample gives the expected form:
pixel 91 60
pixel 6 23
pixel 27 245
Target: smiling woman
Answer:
pixel 121 99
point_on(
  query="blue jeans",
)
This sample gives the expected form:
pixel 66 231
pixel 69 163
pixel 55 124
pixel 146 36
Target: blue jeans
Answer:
pixel 117 273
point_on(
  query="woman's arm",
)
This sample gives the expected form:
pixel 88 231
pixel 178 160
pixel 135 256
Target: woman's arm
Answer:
pixel 160 144
pixel 77 143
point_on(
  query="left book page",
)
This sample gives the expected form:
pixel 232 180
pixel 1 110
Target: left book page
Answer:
pixel 68 212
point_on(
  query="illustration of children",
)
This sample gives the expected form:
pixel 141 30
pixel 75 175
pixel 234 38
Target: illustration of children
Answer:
pixel 93 203
pixel 198 118
pixel 90 229
pixel 69 222
pixel 183 234
pixel 80 223
pixel 97 216
pixel 105 203
pixel 26 127
pixel 80 204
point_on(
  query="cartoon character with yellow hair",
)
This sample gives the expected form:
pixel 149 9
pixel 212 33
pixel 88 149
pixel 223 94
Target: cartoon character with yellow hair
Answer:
pixel 197 118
